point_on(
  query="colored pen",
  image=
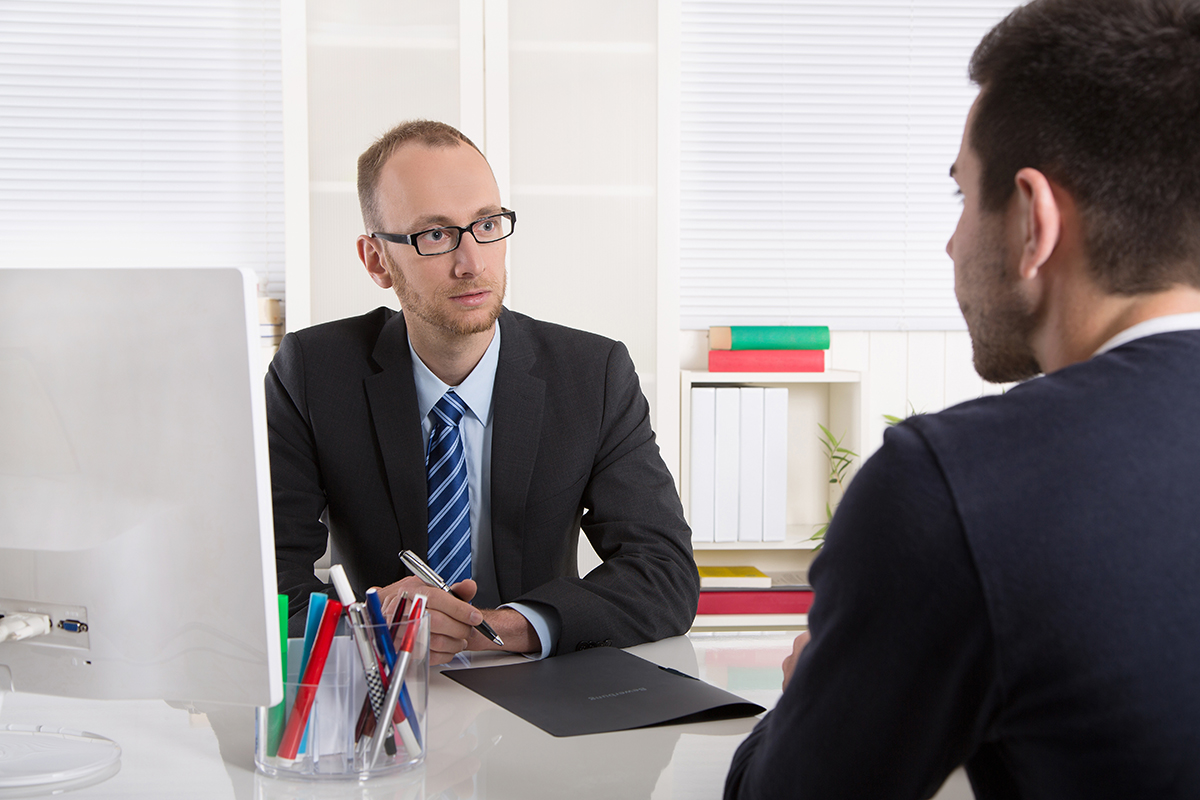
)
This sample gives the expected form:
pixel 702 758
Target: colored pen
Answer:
pixel 362 640
pixel 366 718
pixel 306 692
pixel 425 573
pixel 366 652
pixel 397 683
pixel 388 646
pixel 399 615
pixel 277 716
pixel 380 626
pixel 312 623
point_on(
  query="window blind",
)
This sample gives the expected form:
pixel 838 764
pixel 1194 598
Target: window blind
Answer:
pixel 142 133
pixel 816 142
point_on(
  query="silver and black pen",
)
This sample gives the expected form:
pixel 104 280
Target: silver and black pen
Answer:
pixel 426 573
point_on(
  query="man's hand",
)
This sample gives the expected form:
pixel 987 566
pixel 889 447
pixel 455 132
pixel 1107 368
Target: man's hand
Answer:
pixel 452 620
pixel 789 663
pixel 511 626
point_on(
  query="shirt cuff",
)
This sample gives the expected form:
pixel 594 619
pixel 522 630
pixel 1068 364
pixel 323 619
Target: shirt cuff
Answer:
pixel 545 625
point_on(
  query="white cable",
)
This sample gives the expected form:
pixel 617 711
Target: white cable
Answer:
pixel 22 625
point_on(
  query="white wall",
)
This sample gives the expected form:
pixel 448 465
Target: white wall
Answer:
pixel 571 100
pixel 583 101
pixel 575 83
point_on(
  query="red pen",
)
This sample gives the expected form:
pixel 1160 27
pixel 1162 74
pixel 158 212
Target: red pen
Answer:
pixel 306 692
pixel 405 728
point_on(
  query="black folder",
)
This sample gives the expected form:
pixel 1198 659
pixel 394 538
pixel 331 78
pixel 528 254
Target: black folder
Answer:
pixel 599 690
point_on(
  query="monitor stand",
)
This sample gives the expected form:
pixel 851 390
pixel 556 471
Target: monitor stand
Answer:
pixel 38 760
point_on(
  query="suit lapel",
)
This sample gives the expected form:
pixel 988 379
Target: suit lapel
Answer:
pixel 392 396
pixel 517 399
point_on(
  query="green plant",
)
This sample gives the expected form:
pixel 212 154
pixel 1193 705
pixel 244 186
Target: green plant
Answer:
pixel 840 460
pixel 894 420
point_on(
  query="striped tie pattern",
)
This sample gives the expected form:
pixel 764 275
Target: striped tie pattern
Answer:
pixel 449 502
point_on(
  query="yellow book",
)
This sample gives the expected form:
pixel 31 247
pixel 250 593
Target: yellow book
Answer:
pixel 733 578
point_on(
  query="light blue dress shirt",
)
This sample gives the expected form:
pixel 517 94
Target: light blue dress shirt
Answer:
pixel 476 428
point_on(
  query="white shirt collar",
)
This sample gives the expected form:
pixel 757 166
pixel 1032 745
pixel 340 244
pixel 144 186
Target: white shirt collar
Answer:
pixel 475 390
pixel 1171 322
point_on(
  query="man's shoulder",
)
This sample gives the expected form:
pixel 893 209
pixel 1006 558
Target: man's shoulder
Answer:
pixel 1133 399
pixel 555 344
pixel 364 328
pixel 335 350
pixel 1103 387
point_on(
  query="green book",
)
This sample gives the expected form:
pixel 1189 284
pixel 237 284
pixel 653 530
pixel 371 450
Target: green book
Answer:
pixel 769 337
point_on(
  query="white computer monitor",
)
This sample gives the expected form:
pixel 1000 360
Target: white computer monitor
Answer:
pixel 135 503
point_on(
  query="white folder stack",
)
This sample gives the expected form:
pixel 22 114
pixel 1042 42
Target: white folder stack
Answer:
pixel 738 464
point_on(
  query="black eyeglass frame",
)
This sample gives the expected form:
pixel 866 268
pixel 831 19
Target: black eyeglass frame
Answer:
pixel 411 238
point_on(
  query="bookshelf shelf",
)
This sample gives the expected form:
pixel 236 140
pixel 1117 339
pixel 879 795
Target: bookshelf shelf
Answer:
pixel 798 537
pixel 757 622
pixel 768 378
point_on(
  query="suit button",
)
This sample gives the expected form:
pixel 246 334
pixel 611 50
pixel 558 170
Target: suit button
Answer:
pixel 590 645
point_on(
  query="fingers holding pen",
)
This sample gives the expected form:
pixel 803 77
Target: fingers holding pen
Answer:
pixel 465 590
pixel 451 619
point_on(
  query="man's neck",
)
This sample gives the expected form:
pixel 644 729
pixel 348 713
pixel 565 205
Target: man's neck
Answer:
pixel 1079 328
pixel 449 356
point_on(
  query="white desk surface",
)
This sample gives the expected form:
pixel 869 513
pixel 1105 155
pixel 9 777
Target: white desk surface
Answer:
pixel 479 751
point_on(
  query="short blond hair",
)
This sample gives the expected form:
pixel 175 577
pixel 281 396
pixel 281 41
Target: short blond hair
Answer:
pixel 370 164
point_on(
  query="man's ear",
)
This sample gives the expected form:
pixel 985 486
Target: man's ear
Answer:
pixel 1040 221
pixel 370 253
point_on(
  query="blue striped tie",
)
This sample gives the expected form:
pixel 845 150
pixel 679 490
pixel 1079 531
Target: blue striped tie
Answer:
pixel 449 503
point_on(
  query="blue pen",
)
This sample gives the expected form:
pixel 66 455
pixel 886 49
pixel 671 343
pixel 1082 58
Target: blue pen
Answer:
pixel 375 609
pixel 388 648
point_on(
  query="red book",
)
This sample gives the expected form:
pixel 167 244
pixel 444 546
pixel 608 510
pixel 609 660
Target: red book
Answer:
pixel 766 360
pixel 755 601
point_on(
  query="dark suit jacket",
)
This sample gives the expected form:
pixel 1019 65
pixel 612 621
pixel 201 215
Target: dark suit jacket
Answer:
pixel 571 447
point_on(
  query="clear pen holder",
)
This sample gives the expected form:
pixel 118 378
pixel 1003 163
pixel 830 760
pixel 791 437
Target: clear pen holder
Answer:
pixel 340 738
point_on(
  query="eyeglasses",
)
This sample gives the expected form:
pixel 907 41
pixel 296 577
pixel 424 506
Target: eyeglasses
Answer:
pixel 437 241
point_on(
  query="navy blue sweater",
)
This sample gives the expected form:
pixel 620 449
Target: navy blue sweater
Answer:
pixel 1012 584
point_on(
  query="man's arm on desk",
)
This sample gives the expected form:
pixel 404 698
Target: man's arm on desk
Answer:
pixel 647 586
pixel 888 697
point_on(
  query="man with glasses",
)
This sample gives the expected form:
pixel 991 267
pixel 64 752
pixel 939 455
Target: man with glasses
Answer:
pixel 477 437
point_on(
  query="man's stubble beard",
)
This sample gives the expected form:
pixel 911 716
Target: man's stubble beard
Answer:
pixel 999 320
pixel 429 312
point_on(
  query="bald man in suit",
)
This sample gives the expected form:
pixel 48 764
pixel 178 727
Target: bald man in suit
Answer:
pixel 556 431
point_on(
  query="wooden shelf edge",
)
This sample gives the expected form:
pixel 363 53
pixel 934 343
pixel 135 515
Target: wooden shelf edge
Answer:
pixel 749 622
pixel 796 537
pixel 693 377
pixel 787 544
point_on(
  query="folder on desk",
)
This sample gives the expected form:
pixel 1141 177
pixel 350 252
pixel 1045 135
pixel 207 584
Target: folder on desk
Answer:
pixel 600 690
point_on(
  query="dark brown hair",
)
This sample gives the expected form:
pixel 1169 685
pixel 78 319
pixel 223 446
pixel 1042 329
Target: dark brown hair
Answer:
pixel 1103 97
pixel 370 163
